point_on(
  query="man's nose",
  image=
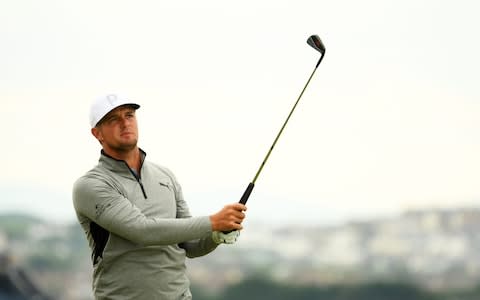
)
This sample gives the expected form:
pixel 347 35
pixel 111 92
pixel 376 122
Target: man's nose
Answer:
pixel 124 121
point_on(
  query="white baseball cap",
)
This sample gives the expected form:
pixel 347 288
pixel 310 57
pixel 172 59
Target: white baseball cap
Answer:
pixel 105 104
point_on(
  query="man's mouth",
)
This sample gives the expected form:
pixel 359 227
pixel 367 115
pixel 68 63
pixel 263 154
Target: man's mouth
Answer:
pixel 126 133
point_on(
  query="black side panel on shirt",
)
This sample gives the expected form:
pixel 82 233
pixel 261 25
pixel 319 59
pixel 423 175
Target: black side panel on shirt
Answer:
pixel 100 238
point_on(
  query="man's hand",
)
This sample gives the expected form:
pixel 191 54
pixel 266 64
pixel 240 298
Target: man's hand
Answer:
pixel 225 238
pixel 229 218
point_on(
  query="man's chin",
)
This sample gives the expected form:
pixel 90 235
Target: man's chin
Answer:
pixel 130 147
pixel 126 147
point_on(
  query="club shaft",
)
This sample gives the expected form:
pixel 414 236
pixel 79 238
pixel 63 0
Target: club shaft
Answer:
pixel 285 124
pixel 251 185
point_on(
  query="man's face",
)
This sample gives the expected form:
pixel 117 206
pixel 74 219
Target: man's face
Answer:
pixel 118 131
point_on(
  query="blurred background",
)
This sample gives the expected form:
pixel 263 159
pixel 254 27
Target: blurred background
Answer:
pixel 370 192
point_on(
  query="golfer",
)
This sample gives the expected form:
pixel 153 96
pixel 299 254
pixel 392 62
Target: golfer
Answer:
pixel 136 221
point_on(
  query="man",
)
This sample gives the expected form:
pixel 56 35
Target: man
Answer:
pixel 137 223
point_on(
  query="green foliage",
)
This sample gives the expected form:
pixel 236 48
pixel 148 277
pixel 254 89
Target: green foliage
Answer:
pixel 16 226
pixel 263 289
pixel 381 291
pixel 49 262
pixel 57 248
pixel 200 293
pixel 471 294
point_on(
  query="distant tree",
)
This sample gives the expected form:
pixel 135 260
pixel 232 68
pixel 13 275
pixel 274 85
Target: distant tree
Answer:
pixel 472 294
pixel 16 226
pixel 383 291
pixel 257 289
pixel 264 289
pixel 201 294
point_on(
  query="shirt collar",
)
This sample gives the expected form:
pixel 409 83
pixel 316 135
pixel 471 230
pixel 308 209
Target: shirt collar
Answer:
pixel 118 165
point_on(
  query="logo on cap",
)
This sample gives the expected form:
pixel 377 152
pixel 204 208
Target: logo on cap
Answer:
pixel 112 99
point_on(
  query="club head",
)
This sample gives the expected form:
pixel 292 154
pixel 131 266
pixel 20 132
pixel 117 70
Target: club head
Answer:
pixel 316 43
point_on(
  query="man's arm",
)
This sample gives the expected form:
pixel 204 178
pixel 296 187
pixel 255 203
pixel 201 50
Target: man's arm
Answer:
pixel 205 245
pixel 199 247
pixel 100 203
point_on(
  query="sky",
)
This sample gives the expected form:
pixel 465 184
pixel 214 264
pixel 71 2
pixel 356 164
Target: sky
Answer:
pixel 389 122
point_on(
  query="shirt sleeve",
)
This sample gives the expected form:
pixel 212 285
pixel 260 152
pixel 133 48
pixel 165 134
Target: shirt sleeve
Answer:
pixel 97 200
pixel 197 247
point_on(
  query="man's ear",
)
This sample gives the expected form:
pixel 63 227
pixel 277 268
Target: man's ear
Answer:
pixel 97 134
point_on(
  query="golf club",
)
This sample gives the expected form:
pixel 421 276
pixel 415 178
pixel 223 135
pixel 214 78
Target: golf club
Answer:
pixel 317 44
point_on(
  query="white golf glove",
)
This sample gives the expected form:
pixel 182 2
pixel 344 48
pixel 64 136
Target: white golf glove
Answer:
pixel 225 238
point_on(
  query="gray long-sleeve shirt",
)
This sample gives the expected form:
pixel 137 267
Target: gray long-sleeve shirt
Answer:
pixel 139 229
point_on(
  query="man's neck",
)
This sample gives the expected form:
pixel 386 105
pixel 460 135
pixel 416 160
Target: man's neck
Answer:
pixel 131 157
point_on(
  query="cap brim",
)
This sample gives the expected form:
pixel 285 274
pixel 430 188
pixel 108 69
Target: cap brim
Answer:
pixel 133 105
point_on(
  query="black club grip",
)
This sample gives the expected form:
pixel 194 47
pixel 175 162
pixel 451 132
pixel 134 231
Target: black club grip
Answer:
pixel 247 193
